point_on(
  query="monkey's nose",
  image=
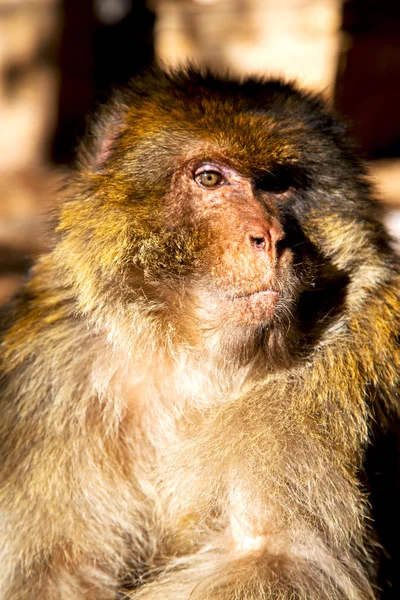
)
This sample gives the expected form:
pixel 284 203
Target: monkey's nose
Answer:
pixel 263 234
pixel 265 239
pixel 258 241
pixel 260 236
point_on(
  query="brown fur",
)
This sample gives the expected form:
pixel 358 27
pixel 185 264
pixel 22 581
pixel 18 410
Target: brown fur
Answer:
pixel 163 436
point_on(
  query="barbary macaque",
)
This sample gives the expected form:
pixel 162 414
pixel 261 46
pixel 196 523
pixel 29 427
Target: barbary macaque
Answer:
pixel 190 377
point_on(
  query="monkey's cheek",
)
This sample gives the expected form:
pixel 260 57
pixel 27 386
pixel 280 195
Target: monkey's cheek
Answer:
pixel 251 310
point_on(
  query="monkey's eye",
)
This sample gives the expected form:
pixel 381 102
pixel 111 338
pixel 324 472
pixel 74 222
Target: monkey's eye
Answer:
pixel 209 179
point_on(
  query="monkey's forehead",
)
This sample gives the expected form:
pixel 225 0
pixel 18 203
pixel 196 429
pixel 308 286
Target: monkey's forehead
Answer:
pixel 253 123
pixel 244 147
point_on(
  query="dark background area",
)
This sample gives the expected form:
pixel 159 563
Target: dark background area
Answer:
pixel 95 57
pixel 367 89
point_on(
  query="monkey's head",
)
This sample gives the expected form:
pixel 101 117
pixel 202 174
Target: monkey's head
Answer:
pixel 233 214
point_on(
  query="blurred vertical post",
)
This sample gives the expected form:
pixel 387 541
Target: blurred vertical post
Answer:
pixel 28 80
pixel 28 110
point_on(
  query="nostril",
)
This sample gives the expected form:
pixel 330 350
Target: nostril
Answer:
pixel 257 242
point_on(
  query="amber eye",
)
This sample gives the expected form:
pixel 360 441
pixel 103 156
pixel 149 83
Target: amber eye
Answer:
pixel 209 179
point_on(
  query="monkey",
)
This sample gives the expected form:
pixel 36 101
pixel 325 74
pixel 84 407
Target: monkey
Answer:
pixel 192 374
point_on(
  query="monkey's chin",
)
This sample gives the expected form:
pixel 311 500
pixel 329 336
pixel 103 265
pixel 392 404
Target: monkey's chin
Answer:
pixel 257 308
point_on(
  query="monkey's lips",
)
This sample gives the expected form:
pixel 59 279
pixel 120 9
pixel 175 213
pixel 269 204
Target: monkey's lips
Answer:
pixel 271 294
pixel 254 308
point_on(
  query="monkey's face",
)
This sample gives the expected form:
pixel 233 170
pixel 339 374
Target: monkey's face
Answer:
pixel 226 262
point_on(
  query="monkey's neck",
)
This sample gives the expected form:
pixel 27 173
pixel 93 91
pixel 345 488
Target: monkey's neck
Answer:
pixel 187 380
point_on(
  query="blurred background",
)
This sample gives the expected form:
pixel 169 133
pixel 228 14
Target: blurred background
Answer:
pixel 60 59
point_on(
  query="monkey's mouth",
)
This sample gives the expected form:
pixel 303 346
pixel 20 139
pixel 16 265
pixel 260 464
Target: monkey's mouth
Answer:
pixel 267 294
pixel 253 308
pixel 246 307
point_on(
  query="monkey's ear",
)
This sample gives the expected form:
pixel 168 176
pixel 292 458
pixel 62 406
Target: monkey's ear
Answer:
pixel 104 135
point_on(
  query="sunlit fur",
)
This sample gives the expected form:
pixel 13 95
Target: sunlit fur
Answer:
pixel 155 447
